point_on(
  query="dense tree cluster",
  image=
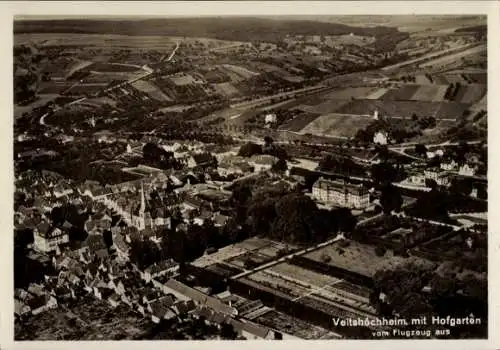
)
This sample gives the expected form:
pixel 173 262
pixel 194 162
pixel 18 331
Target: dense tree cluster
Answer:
pixel 287 216
pixel 157 157
pixel 447 295
pixel 341 164
pixel 399 130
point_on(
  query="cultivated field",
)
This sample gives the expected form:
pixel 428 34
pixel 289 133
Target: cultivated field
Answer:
pixel 226 89
pixel 482 104
pixel 471 93
pixel 240 71
pixel 102 41
pixel 328 106
pixel 299 122
pixel 113 67
pixel 182 79
pixel 41 100
pixel 362 259
pixel 375 95
pixel 429 93
pixel 349 93
pixel 337 125
pixel 404 108
pixel 403 93
pixel 151 90
pixel 333 40
pixel 453 57
pixel 305 276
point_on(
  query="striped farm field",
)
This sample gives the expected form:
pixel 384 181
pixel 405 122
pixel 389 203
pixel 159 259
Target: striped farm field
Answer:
pixel 336 125
pixel 241 71
pixel 377 94
pixel 481 104
pixel 404 108
pixel 299 122
pixel 328 106
pixel 440 79
pixel 348 93
pixel 226 89
pixel 151 90
pixel 471 93
pixel 401 94
pixel 454 78
pixel 480 78
pixel 430 93
pixel 422 80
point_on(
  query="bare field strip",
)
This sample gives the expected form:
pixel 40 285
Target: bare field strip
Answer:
pixel 480 78
pixel 430 93
pixel 97 40
pixel 482 104
pixel 299 122
pixel 235 78
pixel 226 89
pixel 403 93
pixel 348 93
pixel 454 78
pixel 422 80
pixel 377 94
pixel 180 80
pixel 404 108
pixel 471 93
pixel 151 90
pixel 336 125
pixel 241 71
pixel 328 106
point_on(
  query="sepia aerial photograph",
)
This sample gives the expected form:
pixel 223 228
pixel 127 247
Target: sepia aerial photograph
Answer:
pixel 250 177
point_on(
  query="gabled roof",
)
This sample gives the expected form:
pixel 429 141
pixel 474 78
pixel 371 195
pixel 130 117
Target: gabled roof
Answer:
pixel 200 297
pixel 37 302
pixel 249 327
pixel 43 227
pixel 203 158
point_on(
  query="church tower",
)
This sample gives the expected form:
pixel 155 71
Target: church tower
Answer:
pixel 142 208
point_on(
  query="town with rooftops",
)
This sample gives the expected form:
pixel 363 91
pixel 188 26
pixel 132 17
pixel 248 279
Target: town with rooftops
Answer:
pixel 192 179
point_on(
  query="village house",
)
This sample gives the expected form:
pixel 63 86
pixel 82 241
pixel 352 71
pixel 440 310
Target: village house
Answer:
pixel 47 238
pixel 262 162
pixel 220 220
pixel 202 160
pixel 380 138
pixel 467 170
pixel 161 309
pixel 114 299
pixel 163 268
pixel 251 331
pixel 41 303
pixel 184 292
pixel 62 190
pixel 341 194
pixel 183 307
pixel 20 308
pixel 449 166
pixel 439 176
pixel 121 247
